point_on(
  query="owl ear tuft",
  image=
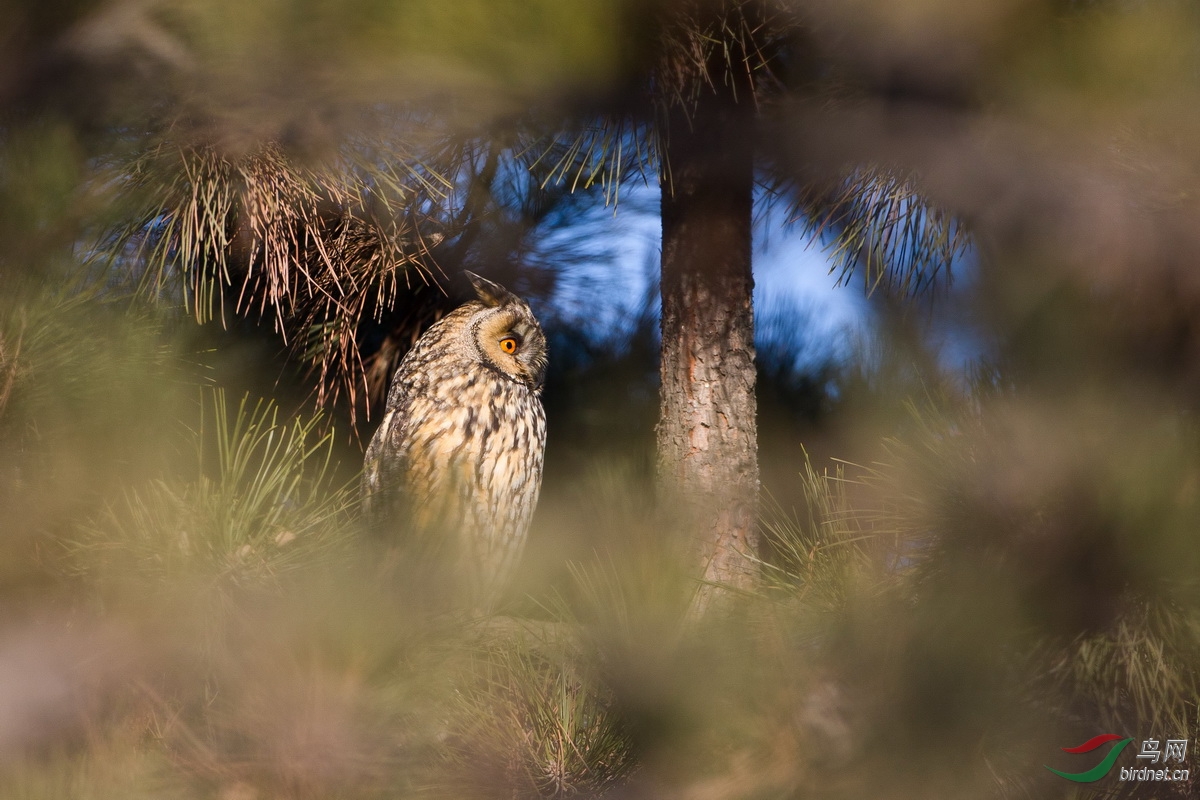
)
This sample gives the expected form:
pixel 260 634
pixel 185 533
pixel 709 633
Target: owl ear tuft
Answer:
pixel 490 293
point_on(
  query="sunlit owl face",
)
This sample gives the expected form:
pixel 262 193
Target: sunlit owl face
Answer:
pixel 506 336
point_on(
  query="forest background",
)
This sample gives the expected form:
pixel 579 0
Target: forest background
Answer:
pixel 969 536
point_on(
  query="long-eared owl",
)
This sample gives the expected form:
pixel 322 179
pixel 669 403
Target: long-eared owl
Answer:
pixel 456 464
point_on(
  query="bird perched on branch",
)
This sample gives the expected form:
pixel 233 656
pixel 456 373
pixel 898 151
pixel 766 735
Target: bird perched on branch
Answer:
pixel 456 465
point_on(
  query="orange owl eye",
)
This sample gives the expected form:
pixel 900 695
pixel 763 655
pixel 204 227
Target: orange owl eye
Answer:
pixel 508 344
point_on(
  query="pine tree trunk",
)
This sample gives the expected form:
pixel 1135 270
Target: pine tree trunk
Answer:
pixel 707 433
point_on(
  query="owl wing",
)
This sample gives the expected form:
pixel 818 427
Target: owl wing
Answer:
pixel 416 478
pixel 386 462
pixel 374 468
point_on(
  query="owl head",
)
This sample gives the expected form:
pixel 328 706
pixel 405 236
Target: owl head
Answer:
pixel 505 335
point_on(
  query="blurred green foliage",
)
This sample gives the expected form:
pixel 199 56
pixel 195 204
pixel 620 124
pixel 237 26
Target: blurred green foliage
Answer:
pixel 965 571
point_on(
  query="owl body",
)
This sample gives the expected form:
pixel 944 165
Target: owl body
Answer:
pixel 456 464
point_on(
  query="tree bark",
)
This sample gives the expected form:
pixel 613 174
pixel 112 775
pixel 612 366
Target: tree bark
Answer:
pixel 707 432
